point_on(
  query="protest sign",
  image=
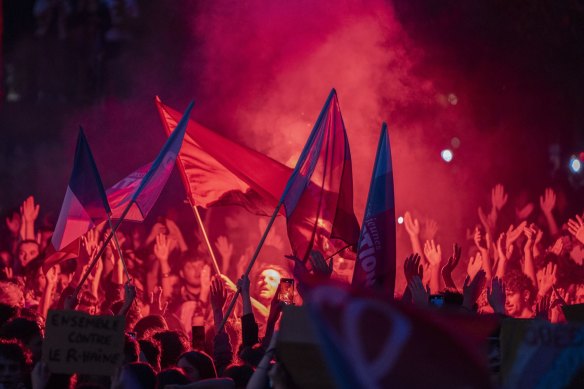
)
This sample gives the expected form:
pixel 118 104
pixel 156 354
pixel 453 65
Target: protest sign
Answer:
pixel 539 354
pixel 77 342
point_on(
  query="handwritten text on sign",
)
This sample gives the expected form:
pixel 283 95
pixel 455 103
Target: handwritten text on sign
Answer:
pixel 76 342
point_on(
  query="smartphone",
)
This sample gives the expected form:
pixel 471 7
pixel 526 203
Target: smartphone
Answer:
pixel 286 291
pixel 198 334
pixel 436 300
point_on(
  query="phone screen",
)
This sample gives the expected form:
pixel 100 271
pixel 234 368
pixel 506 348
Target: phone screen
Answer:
pixel 286 291
pixel 198 333
pixel 436 300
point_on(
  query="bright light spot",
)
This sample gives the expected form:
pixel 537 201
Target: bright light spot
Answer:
pixel 455 142
pixel 447 155
pixel 575 165
pixel 400 220
pixel 452 99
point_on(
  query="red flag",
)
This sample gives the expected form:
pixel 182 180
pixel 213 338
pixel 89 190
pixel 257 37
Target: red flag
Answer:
pixel 318 200
pixel 54 257
pixel 218 171
pixel 368 342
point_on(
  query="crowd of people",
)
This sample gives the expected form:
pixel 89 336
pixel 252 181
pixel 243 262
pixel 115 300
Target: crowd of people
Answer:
pixel 531 267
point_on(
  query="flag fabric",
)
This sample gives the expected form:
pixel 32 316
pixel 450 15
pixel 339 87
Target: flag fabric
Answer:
pixel 142 187
pixel 375 264
pixel 369 342
pixel 319 193
pixel 217 171
pixel 85 203
pixel 54 257
pixel 318 198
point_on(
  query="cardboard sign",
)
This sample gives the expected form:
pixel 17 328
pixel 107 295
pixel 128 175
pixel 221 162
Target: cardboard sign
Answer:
pixel 77 342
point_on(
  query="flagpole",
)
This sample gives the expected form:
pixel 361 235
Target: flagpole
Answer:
pixel 124 265
pixel 299 164
pixel 251 263
pixel 102 249
pixel 205 237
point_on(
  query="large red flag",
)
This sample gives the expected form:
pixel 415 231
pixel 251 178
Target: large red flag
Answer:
pixel 318 200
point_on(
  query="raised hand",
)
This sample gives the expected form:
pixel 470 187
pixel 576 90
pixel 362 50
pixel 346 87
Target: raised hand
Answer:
pixel 90 242
pixel 162 248
pixel 450 265
pixel 157 307
pixel 430 229
pixel 157 229
pixel 475 263
pixel 218 294
pixel 524 212
pixel 13 223
pixel 419 293
pixel 576 228
pixel 478 240
pixel 8 272
pixel 224 247
pixel 412 225
pixel 498 197
pixel 558 246
pixel 496 295
pixel 176 234
pixel 547 279
pixel 29 210
pixel 412 267
pixel 547 202
pixel 471 290
pixel 243 285
pixel 542 307
pixel 514 233
pixel 487 221
pixel 433 253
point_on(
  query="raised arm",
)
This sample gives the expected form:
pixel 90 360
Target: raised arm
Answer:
pixel 161 252
pixel 29 212
pixel 413 229
pixel 547 202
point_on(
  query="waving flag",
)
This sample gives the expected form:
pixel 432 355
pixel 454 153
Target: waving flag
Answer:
pixel 319 202
pixel 142 187
pixel 319 195
pixel 218 171
pixel 85 203
pixel 375 266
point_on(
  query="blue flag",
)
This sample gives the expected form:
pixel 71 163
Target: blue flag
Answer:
pixel 375 265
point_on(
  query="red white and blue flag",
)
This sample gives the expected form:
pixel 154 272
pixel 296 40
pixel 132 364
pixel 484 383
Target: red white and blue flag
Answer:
pixel 375 265
pixel 319 195
pixel 85 204
pixel 142 187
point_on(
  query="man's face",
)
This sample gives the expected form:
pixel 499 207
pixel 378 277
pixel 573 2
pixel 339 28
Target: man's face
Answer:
pixel 267 283
pixel 27 252
pixel 191 272
pixel 513 304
